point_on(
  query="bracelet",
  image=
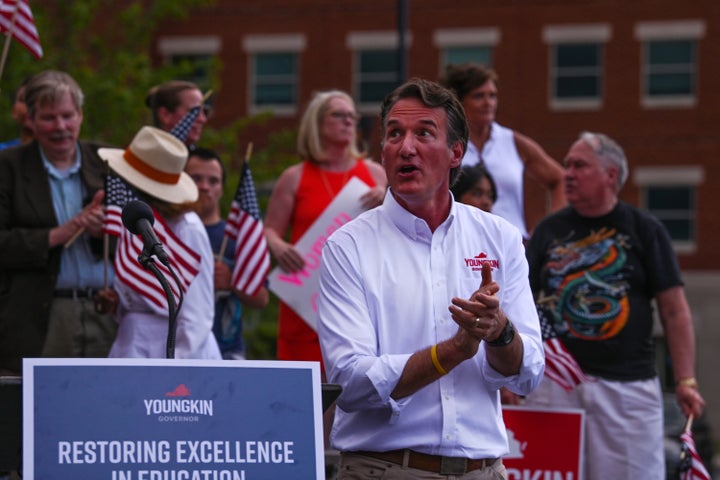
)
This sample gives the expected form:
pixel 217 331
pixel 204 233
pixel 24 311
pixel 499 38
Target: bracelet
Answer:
pixel 688 382
pixel 436 362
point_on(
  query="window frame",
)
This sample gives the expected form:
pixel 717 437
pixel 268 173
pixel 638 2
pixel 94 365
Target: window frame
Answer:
pixel 649 32
pixel 254 45
pixel 576 34
pixel 484 37
pixel 686 176
pixel 192 46
pixel 362 41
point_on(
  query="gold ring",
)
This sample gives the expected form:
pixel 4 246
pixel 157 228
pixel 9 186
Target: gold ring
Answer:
pixel 477 322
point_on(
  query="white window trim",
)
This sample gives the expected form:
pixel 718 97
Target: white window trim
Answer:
pixel 191 45
pixel 466 37
pixel 685 176
pixel 554 35
pixel 577 32
pixel 281 43
pixel 375 40
pixel 291 42
pixel 669 30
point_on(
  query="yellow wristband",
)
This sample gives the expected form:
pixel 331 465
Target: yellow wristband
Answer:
pixel 436 362
pixel 688 382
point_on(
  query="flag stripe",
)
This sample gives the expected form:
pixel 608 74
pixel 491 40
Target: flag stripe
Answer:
pixel 23 29
pixel 244 226
pixel 693 469
pixel 184 261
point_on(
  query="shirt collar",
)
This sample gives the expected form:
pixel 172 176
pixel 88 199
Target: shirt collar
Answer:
pixel 58 173
pixel 412 226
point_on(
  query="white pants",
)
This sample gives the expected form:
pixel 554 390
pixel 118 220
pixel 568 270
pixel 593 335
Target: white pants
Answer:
pixel 623 426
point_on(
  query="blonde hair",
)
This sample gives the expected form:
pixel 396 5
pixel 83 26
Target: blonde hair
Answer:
pixel 309 144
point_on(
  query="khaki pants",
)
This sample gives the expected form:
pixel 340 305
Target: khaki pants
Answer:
pixel 359 467
pixel 76 330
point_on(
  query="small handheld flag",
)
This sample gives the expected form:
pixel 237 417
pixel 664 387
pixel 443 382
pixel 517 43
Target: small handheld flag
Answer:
pixel 244 225
pixel 17 20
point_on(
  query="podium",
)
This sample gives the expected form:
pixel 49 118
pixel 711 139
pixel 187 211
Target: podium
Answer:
pixel 129 419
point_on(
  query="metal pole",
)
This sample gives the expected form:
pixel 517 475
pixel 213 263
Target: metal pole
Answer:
pixel 402 15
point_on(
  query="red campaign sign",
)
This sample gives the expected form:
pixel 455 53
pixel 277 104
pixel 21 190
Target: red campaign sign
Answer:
pixel 544 443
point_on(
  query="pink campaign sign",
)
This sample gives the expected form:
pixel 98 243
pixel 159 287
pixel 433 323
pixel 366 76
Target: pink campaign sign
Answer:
pixel 296 288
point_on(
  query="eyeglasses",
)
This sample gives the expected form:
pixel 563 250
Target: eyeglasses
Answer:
pixel 342 116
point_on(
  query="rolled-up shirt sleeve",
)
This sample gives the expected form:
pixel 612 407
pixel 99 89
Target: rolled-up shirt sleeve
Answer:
pixel 348 336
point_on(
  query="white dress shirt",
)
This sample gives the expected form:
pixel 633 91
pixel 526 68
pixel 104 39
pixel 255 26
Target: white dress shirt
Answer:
pixel 386 283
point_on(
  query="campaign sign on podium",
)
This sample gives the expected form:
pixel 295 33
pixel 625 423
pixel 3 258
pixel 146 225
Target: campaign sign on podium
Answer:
pixel 131 419
pixel 296 288
pixel 544 443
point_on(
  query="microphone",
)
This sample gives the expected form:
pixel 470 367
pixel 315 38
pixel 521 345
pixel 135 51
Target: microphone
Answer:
pixel 138 217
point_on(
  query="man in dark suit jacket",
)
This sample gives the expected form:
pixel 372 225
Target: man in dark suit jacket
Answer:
pixel 51 215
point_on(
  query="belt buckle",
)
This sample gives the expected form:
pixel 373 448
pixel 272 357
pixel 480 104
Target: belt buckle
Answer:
pixel 453 465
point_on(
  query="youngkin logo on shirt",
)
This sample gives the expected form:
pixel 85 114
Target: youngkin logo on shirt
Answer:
pixel 475 263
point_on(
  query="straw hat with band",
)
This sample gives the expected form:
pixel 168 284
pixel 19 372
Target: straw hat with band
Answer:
pixel 154 163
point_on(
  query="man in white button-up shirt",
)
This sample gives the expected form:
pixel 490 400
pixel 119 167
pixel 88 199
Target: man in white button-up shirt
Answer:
pixel 425 311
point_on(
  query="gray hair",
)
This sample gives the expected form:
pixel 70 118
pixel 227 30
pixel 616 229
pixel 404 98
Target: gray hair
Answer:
pixel 48 87
pixel 609 153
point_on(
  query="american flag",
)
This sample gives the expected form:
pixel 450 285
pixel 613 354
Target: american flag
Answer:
pixel 182 128
pixel 560 365
pixel 184 261
pixel 244 225
pixel 17 18
pixel 692 467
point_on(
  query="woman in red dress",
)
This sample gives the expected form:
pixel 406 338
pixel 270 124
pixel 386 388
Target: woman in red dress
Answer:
pixel 327 143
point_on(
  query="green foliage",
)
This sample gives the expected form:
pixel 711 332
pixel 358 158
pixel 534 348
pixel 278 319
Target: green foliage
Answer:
pixel 105 45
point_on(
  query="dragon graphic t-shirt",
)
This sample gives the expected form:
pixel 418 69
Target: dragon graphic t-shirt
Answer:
pixel 596 278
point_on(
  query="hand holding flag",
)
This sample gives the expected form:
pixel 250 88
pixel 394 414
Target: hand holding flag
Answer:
pixel 691 465
pixel 244 225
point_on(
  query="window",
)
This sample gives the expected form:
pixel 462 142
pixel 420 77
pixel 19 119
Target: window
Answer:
pixel 194 56
pixel 670 195
pixel 669 62
pixel 577 71
pixel 377 74
pixel 466 45
pixel 576 65
pixel 456 55
pixel 376 69
pixel 274 80
pixel 273 65
pixel 669 68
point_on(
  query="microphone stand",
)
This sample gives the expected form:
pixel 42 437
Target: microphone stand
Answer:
pixel 145 259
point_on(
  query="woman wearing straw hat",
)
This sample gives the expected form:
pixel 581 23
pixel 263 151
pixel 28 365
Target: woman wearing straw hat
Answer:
pixel 153 164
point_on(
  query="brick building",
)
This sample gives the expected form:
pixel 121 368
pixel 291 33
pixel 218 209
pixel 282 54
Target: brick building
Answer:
pixel 643 71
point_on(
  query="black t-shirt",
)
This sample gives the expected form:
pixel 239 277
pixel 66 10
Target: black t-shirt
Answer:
pixel 597 277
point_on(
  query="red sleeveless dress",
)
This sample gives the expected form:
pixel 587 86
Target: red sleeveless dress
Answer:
pixel 317 188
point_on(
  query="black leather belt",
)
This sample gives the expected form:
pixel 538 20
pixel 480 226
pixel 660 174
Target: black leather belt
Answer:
pixel 431 463
pixel 75 293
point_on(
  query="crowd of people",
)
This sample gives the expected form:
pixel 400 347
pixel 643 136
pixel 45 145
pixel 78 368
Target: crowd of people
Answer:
pixel 428 301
